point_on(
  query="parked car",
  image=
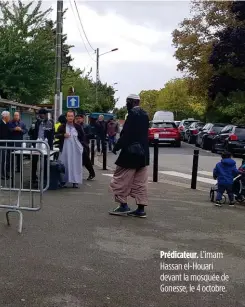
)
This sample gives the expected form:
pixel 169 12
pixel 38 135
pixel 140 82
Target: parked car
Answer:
pixel 185 123
pixel 167 131
pixel 163 115
pixel 205 136
pixel 177 122
pixel 192 131
pixel 230 138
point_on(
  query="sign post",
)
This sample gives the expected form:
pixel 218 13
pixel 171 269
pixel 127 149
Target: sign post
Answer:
pixel 73 102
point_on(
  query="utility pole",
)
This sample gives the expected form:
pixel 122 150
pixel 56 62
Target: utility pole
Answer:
pixel 97 74
pixel 58 61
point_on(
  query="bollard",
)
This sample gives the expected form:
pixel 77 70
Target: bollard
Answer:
pixel 155 159
pixel 194 169
pixel 92 151
pixel 105 156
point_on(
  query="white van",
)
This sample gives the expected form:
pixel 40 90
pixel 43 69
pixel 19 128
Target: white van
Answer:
pixel 164 116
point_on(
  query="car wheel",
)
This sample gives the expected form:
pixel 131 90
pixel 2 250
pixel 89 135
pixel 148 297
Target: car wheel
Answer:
pixel 189 139
pixel 203 144
pixel 229 149
pixel 178 144
pixel 213 148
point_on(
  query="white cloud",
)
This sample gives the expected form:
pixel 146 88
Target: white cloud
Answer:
pixel 135 43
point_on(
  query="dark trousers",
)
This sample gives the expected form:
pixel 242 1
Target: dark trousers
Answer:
pixel 4 160
pixel 221 190
pixel 100 142
pixel 35 159
pixel 87 163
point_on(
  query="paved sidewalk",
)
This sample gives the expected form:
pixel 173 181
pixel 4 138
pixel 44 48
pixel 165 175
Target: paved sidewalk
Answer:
pixel 73 254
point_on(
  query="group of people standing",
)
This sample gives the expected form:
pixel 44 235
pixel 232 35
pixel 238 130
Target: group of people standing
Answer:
pixel 12 130
pixel 72 136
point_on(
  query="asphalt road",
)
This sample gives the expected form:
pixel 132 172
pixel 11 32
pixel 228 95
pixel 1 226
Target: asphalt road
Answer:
pixel 175 165
pixel 74 254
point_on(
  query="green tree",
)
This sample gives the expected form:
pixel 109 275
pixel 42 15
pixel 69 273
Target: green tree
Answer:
pixel 176 97
pixel 193 41
pixel 148 101
pixel 26 53
pixel 121 112
pixel 85 88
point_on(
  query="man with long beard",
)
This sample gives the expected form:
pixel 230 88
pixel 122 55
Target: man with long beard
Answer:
pixel 131 175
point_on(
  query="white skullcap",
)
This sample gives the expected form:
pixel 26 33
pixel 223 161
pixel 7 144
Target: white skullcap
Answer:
pixel 133 96
pixel 5 113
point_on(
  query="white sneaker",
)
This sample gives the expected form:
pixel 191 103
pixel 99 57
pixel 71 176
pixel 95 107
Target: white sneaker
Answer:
pixel 218 204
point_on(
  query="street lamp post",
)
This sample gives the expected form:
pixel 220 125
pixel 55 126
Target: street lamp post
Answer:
pixel 98 55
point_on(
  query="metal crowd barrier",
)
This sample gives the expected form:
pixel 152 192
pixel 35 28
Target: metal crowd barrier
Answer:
pixel 23 180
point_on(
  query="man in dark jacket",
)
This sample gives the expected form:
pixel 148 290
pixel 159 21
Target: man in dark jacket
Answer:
pixel 43 129
pixel 79 119
pixel 4 135
pixel 131 177
pixel 17 130
pixel 101 129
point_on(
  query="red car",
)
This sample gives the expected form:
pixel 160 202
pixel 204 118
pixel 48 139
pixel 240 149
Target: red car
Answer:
pixel 167 132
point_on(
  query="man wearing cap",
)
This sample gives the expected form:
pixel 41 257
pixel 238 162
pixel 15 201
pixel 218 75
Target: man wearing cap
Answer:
pixel 4 135
pixel 43 129
pixel 131 176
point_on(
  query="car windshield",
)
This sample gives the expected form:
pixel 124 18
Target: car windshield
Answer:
pixel 188 123
pixel 163 125
pixel 200 124
pixel 217 128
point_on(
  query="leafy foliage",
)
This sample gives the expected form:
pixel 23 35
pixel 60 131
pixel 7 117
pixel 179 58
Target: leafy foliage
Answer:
pixel 121 112
pixel 176 97
pixel 149 101
pixel 26 53
pixel 27 60
pixel 228 57
pixel 85 88
pixel 209 48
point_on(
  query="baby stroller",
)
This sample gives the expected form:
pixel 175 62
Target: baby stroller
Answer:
pixel 238 190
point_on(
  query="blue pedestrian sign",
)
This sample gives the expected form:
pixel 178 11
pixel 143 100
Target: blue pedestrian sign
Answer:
pixel 73 102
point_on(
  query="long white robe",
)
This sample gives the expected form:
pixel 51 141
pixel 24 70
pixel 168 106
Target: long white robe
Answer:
pixel 71 157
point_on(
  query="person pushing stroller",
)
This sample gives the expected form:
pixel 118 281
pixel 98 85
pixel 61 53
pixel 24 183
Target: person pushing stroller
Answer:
pixel 224 172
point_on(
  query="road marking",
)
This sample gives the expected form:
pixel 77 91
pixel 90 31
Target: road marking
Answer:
pixel 178 184
pixel 187 176
pixel 205 173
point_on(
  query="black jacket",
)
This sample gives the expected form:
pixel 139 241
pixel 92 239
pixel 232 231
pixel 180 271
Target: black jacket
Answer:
pixel 17 135
pixel 4 133
pixel 101 129
pixel 135 130
pixel 61 132
pixel 87 131
pixel 48 132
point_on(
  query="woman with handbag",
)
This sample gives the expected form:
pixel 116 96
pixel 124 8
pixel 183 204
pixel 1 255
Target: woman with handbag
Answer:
pixel 131 175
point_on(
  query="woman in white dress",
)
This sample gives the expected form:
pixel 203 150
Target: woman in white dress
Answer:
pixel 71 141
